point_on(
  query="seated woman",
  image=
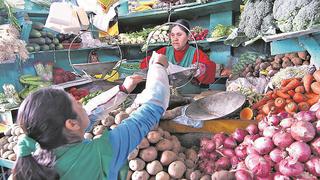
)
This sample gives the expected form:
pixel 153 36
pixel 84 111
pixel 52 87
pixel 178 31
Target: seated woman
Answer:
pixel 181 53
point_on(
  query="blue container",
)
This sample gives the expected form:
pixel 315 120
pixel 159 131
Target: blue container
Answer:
pixel 123 8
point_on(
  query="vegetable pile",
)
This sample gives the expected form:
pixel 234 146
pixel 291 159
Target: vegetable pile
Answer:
pixel 61 76
pixel 8 143
pixel 294 95
pixel 280 146
pixel 199 33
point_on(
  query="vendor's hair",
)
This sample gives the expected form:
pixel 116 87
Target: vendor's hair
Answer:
pixel 42 116
pixel 182 22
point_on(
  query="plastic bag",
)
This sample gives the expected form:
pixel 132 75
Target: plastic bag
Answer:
pixel 185 120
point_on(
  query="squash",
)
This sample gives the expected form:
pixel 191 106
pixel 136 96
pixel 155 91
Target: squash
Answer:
pixel 246 114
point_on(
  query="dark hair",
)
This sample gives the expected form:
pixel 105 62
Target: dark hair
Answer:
pixel 42 116
pixel 182 22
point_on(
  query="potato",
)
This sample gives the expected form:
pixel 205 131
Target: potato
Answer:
pixel 152 178
pixel 188 173
pixel 205 177
pixel 164 145
pixel 168 157
pixel 269 68
pixel 15 138
pixel 120 117
pixel 3 141
pixel 5 147
pixel 140 175
pixel 98 130
pixel 191 154
pixel 154 167
pixel 195 175
pixel 272 73
pixel 11 145
pixel 108 121
pixel 162 176
pixel 7 132
pixel 97 136
pixel 144 144
pixel 6 154
pixel 166 134
pixel 129 174
pixel 18 131
pixel 176 169
pixel 258 60
pixel 189 163
pixel 296 61
pixel 149 154
pixel 223 174
pixel 154 136
pixel 305 63
pixel 137 164
pixel 278 58
pixel 13 129
pixel 176 147
pixel 286 64
pixel 129 110
pixel 115 112
pixel 172 113
pixel 10 139
pixel 88 135
pixel 113 126
pixel 182 155
pixel 133 154
pixel 12 157
pixel 276 66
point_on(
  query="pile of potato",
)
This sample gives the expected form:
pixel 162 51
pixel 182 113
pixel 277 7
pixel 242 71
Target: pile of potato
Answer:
pixel 160 156
pixel 8 143
pixel 270 66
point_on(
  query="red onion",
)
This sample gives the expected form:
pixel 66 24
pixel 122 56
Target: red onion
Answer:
pixel 269 160
pixel 241 151
pixel 318 114
pixel 283 115
pixel 229 142
pixel 204 141
pixel 306 176
pixel 252 129
pixel 308 116
pixel 299 150
pixel 317 125
pixel 279 176
pixel 243 175
pixel 269 131
pixel 262 124
pixel 263 145
pixel 313 166
pixel 210 146
pixel 273 120
pixel 203 154
pixel 249 139
pixel 277 155
pixel 234 161
pixel 219 139
pixel 258 165
pixel 287 122
pixel 226 152
pixel 251 150
pixel 241 166
pixel 290 167
pixel 282 139
pixel 222 164
pixel 315 107
pixel 269 177
pixel 303 131
pixel 213 156
pixel 239 135
pixel 315 146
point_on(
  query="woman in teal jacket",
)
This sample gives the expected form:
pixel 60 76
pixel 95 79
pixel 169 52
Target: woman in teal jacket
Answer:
pixel 54 124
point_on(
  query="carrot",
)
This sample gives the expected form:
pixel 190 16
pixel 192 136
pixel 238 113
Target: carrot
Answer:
pixel 313 100
pixel 284 82
pixel 260 103
pixel 316 75
pixel 291 85
pixel 280 102
pixel 282 94
pixel 298 98
pixel 307 80
pixel 315 87
pixel 269 94
pixel 267 108
pixel 259 117
pixel 303 106
pixel 299 89
pixel 291 107
pixel 291 93
pixel 288 101
pixel 311 95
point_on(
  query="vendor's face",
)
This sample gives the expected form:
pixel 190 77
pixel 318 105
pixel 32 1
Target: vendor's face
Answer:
pixel 81 113
pixel 178 38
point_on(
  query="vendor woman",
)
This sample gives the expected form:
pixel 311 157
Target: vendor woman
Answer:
pixel 181 53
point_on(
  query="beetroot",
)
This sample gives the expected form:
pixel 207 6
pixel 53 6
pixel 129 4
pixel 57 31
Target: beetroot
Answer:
pixel 239 135
pixel 263 145
pixel 290 167
pixel 252 129
pixel 229 142
pixel 300 151
pixel 315 146
pixel 258 165
pixel 243 175
pixel 287 122
pixel 277 155
pixel 241 151
pixel 269 131
pixel 282 139
pixel 303 131
pixel 313 166
pixel 222 164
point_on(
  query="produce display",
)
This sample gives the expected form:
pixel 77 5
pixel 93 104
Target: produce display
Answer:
pixel 42 40
pixel 199 33
pixel 8 143
pixel 221 31
pixel 31 84
pixel 80 94
pixel 61 76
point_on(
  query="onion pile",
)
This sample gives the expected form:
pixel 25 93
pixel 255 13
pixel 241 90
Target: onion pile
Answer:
pixel 279 147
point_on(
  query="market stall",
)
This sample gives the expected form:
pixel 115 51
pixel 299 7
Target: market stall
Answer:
pixel 258 118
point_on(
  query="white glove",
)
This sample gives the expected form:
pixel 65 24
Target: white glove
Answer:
pixel 157 86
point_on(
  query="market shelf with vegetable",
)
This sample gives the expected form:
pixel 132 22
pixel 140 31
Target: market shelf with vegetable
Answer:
pixel 264 104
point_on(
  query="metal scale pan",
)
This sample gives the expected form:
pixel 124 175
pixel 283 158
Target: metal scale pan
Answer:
pixel 215 106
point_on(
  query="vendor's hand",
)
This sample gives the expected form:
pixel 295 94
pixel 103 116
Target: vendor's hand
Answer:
pixel 131 82
pixel 159 59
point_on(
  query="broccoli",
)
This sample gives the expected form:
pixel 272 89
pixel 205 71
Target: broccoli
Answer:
pixel 296 15
pixel 257 18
